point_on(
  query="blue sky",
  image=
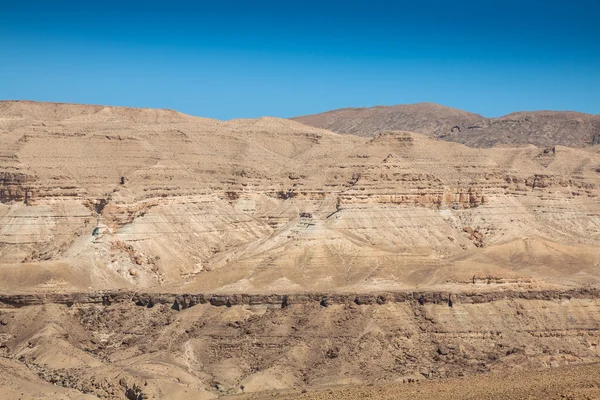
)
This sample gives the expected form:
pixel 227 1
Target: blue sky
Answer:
pixel 230 58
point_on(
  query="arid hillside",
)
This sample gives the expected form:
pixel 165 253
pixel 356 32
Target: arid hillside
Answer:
pixel 124 346
pixel 540 128
pixel 107 198
pixel 148 254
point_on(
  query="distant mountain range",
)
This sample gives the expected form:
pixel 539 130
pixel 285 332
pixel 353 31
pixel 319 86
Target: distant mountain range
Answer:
pixel 540 128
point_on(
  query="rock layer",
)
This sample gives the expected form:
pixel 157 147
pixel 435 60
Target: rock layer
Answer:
pixel 147 254
pixel 145 347
pixel 108 198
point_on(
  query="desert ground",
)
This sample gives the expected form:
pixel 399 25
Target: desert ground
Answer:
pixel 579 382
pixel 149 254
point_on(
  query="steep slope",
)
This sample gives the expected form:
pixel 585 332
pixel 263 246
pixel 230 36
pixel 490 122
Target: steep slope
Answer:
pixel 103 198
pixel 142 347
pixel 540 128
pixel 147 254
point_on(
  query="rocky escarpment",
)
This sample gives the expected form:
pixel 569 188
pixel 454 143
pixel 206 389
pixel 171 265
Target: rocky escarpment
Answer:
pixel 212 345
pixel 146 254
pixel 15 187
pixel 109 198
pixel 182 301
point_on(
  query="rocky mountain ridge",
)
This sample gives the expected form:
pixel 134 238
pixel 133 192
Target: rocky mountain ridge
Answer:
pixel 540 128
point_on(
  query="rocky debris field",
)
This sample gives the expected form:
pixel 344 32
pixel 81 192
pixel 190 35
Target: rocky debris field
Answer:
pixel 148 346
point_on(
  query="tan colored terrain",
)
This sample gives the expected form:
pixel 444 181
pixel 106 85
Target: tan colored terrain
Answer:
pixel 541 128
pixel 574 383
pixel 137 347
pixel 273 205
pixel 152 254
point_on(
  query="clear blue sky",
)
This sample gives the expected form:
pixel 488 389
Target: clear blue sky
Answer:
pixel 231 58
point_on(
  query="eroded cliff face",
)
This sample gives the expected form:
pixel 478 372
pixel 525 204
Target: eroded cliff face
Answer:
pixel 146 253
pixel 107 198
pixel 115 345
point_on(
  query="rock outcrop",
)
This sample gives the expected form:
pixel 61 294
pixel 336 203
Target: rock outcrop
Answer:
pixel 139 346
pixel 145 198
pixel 147 254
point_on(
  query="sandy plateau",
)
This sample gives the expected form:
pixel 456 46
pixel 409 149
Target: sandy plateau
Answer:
pixel 148 254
